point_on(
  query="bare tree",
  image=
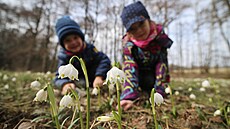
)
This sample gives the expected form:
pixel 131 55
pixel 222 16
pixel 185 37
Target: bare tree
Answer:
pixel 221 19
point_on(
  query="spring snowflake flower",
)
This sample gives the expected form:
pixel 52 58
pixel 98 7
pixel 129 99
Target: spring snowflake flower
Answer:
pixel 35 84
pixel 5 77
pixel 217 113
pixel 190 89
pixel 41 95
pixel 158 99
pixel 68 71
pixel 81 108
pixel 167 90
pixel 66 101
pixel 192 96
pixel 205 83
pixel 13 79
pixel 48 72
pixel 105 118
pixel 202 89
pixel 177 92
pixel 6 86
pixel 115 75
pixel 95 91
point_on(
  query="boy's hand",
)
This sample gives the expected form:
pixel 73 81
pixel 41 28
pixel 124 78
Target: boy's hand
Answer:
pixel 98 81
pixel 66 88
pixel 126 104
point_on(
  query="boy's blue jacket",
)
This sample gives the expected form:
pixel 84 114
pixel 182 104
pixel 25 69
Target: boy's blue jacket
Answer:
pixel 97 64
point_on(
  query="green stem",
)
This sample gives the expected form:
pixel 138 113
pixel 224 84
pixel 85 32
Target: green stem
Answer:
pixel 172 101
pixel 88 108
pixel 119 105
pixel 53 105
pixel 87 89
pixel 226 117
pixel 99 97
pixel 78 106
pixel 109 97
pixel 154 116
pixel 153 108
pixel 74 113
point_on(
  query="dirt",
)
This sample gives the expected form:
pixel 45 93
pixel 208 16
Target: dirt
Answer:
pixel 17 109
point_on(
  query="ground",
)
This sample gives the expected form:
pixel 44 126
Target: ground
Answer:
pixel 18 110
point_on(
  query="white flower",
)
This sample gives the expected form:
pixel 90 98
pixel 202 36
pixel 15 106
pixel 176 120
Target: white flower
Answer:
pixel 205 83
pixel 41 95
pixel 48 72
pixel 177 92
pixel 180 88
pixel 81 108
pixel 158 99
pixel 14 79
pixel 217 113
pixel 115 75
pixel 28 72
pixel 6 86
pixel 202 89
pixel 5 77
pixel 105 118
pixel 68 71
pixel 35 84
pixel 190 89
pixel 192 96
pixel 167 90
pixel 95 91
pixel 66 101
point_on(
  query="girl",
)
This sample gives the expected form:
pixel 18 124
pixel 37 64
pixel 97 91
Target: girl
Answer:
pixel 144 53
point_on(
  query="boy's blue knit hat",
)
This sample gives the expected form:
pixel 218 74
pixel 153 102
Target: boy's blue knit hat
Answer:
pixel 66 26
pixel 132 14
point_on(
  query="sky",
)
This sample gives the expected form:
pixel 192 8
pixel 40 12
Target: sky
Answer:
pixel 189 41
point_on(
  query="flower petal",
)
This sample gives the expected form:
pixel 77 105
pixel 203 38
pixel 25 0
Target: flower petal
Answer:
pixel 158 99
pixel 95 91
pixel 41 95
pixel 66 101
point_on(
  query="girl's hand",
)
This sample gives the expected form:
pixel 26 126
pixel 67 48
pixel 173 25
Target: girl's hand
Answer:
pixel 126 104
pixel 66 88
pixel 98 81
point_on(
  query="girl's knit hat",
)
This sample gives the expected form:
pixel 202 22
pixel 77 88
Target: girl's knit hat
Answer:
pixel 132 14
pixel 66 26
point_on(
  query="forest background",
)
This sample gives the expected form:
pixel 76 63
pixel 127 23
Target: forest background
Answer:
pixel 199 29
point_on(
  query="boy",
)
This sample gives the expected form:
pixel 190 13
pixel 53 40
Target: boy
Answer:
pixel 72 41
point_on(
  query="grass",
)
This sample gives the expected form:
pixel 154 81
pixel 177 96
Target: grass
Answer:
pixel 17 108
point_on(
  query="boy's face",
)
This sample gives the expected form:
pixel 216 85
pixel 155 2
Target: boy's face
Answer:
pixel 73 43
pixel 140 30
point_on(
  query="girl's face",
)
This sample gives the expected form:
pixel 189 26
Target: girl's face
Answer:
pixel 73 43
pixel 140 30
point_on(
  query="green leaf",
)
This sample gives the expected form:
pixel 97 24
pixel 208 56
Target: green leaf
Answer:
pixel 39 118
pixel 100 127
pixel 159 126
pixel 70 127
pixel 75 94
pixel 116 116
pixel 64 121
pixel 201 115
